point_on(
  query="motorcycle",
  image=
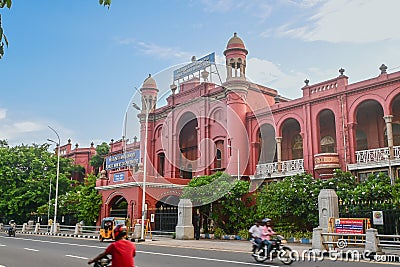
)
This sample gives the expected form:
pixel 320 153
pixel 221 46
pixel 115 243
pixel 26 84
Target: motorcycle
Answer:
pixel 104 262
pixel 11 231
pixel 278 250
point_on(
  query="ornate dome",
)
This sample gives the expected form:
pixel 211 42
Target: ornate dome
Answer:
pixel 149 83
pixel 235 42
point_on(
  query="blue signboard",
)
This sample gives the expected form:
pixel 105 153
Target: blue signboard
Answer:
pixel 118 177
pixel 130 158
pixel 194 66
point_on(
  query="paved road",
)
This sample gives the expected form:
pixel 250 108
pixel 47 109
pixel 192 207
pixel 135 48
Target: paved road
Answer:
pixel 43 251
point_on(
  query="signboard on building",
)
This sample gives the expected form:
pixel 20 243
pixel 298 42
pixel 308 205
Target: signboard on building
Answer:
pixel 118 177
pixel 377 217
pixel 197 65
pixel 349 226
pixel 130 158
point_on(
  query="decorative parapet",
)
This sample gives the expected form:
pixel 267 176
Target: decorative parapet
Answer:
pixel 375 158
pixel 273 170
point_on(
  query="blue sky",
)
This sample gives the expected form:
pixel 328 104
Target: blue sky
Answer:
pixel 74 65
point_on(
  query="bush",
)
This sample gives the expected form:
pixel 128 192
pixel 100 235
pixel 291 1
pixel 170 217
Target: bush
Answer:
pixel 219 233
pixel 244 234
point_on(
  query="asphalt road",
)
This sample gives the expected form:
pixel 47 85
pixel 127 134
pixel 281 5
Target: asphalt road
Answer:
pixel 43 251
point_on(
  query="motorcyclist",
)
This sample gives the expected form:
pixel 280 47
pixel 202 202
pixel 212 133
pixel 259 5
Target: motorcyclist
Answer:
pixel 267 232
pixel 12 224
pixel 255 234
pixel 122 251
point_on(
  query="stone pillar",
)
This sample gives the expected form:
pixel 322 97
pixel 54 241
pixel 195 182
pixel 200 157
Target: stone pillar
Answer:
pixel 317 240
pixel 37 228
pixel 372 241
pixel 328 207
pixel 279 152
pixel 185 229
pixel 389 129
pixel 24 227
pixel 78 229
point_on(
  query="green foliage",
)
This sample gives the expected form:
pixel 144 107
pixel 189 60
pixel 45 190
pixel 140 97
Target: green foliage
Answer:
pixel 3 38
pixel 97 160
pixel 223 199
pixel 86 201
pixel 292 202
pixel 5 3
pixel 25 174
pixel 105 3
pixel 219 233
pixel 244 233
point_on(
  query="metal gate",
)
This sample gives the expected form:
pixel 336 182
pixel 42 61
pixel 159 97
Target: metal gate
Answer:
pixel 165 219
pixel 391 220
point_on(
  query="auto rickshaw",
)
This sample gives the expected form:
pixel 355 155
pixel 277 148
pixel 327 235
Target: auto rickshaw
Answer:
pixel 107 227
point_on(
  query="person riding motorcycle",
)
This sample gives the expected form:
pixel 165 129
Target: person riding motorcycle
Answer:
pixel 122 251
pixel 267 232
pixel 255 234
pixel 12 224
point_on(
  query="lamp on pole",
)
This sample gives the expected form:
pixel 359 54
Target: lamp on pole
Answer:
pixel 238 160
pixel 144 165
pixel 58 174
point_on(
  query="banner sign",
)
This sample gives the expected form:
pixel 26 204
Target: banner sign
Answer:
pixel 377 217
pixel 349 226
pixel 118 177
pixel 194 66
pixel 122 160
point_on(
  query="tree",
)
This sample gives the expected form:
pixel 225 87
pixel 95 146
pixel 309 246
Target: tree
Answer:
pixel 97 160
pixel 223 200
pixel 25 172
pixel 293 202
pixel 3 38
pixel 105 3
pixel 83 201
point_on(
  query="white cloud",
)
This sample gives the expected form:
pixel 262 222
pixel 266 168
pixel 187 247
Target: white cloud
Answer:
pixel 267 73
pixel 3 113
pixel 164 52
pixel 27 127
pixel 356 21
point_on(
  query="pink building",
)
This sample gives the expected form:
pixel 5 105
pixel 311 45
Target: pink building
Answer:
pixel 79 156
pixel 249 130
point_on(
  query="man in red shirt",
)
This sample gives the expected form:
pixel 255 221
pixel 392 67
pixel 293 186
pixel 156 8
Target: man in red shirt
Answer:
pixel 122 251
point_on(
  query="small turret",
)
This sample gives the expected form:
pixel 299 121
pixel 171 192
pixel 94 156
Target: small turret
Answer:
pixel 235 55
pixel 149 93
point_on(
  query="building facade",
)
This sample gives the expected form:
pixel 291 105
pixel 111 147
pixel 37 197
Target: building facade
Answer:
pixel 249 130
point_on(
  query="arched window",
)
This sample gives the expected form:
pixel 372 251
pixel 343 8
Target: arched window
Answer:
pixel 361 139
pixel 297 147
pixel 328 144
pixel 218 159
pixel 161 164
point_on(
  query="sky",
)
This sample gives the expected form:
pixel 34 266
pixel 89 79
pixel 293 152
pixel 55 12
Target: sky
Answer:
pixel 75 65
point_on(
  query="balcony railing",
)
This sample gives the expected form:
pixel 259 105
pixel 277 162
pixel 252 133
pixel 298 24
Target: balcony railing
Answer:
pixel 378 154
pixel 288 168
pixel 377 157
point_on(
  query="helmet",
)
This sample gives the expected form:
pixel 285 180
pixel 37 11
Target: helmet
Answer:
pixel 119 231
pixel 266 220
pixel 12 221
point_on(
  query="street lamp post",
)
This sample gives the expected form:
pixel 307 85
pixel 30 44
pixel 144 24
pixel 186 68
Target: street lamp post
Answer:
pixel 58 174
pixel 387 156
pixel 144 165
pixel 238 161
